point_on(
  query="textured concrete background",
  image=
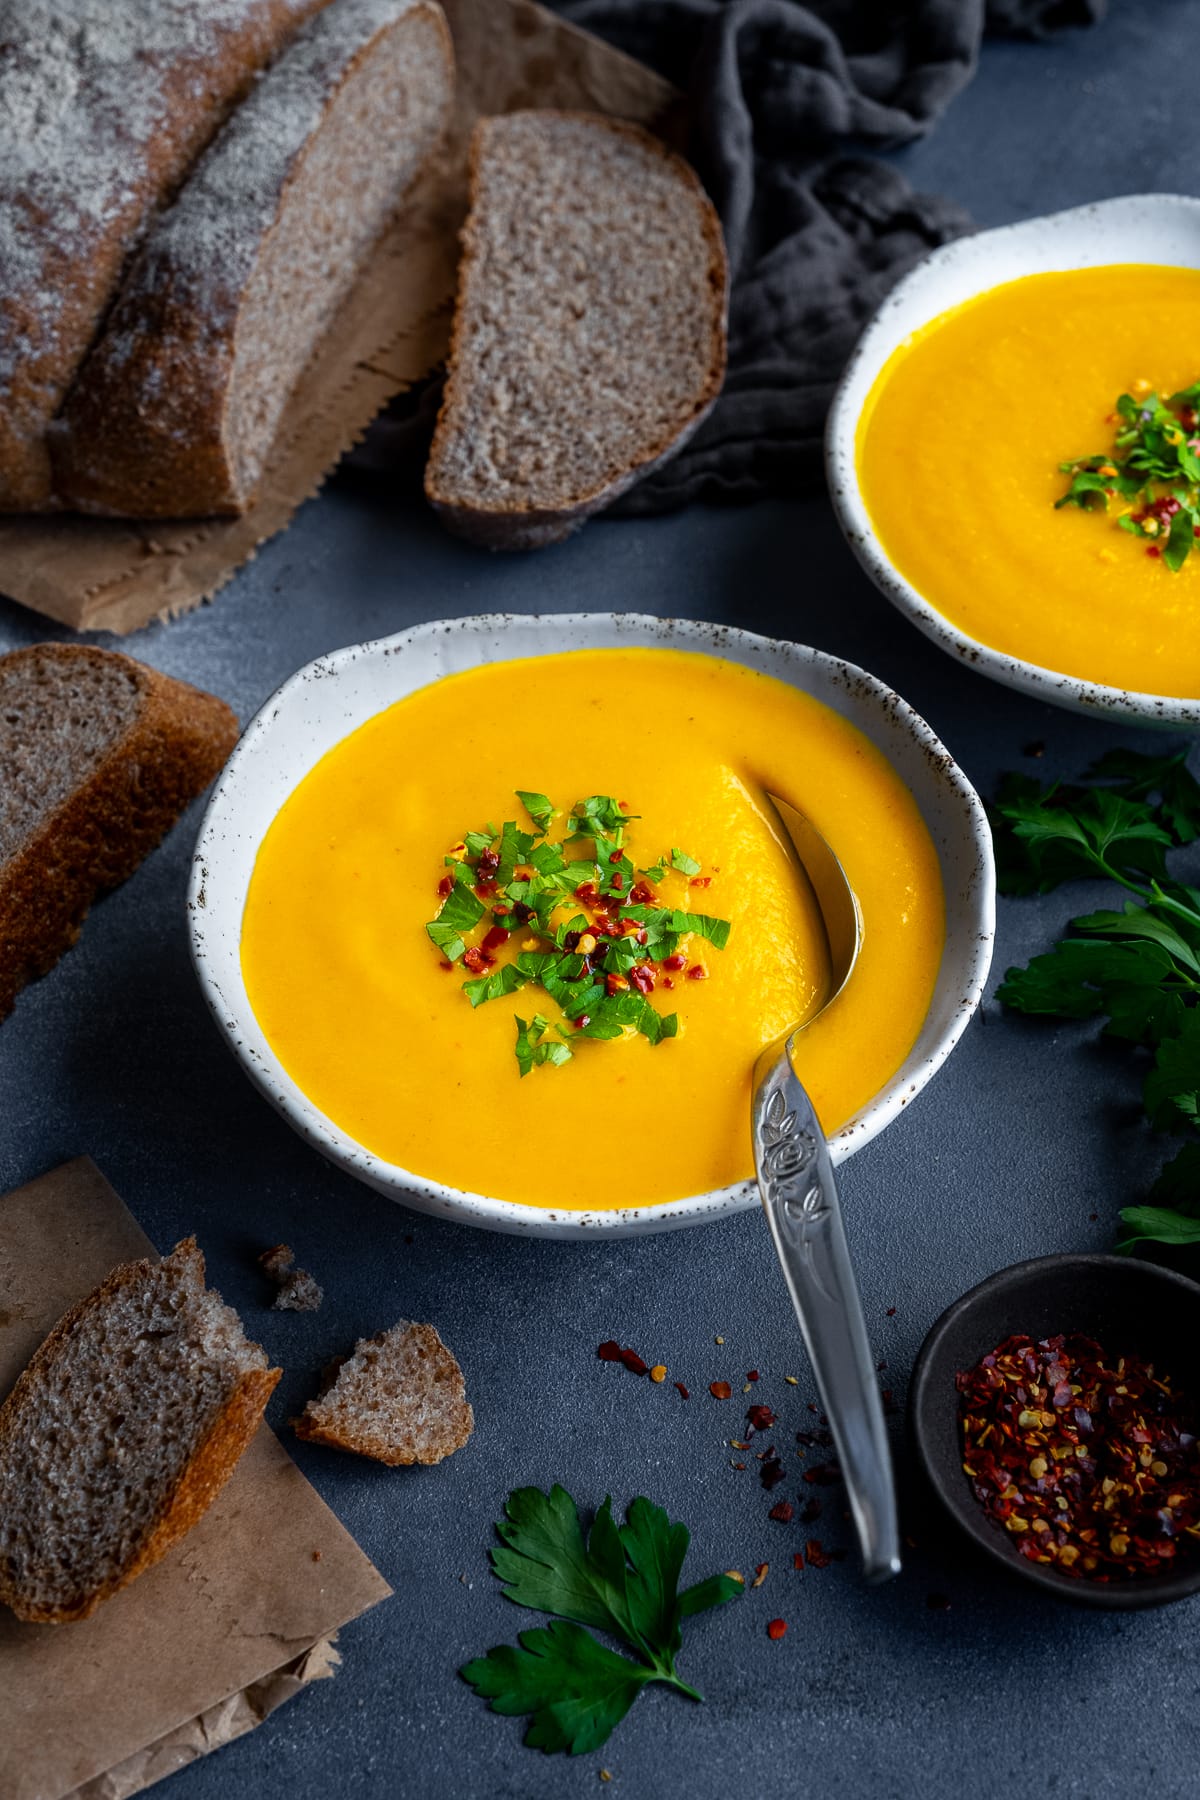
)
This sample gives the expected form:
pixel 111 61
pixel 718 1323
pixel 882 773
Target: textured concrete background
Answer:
pixel 1029 1131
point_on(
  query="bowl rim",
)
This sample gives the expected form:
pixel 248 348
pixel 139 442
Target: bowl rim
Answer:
pixel 961 1507
pixel 872 351
pixel 230 1007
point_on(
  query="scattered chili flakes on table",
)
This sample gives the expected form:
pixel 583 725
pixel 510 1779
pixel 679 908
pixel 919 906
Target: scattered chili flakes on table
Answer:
pixel 720 1390
pixel 1091 1462
pixel 776 1629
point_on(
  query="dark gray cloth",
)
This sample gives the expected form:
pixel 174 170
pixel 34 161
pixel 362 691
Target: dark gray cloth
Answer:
pixel 783 98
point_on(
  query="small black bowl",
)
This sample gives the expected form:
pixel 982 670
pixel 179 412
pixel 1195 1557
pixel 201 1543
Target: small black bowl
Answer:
pixel 1126 1305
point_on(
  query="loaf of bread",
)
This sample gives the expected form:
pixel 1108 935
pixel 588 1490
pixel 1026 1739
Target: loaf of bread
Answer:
pixel 103 106
pixel 176 407
pixel 400 1398
pixel 98 757
pixel 589 333
pixel 121 1433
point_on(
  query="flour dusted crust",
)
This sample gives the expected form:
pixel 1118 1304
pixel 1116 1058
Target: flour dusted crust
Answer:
pixel 126 750
pixel 589 333
pixel 175 409
pixel 103 106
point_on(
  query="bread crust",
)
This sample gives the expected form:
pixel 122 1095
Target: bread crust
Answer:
pixel 81 258
pixel 145 432
pixel 109 823
pixel 509 527
pixel 206 1473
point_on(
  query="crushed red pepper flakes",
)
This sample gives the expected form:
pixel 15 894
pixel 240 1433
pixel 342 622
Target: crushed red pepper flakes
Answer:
pixel 776 1629
pixel 815 1556
pixel 782 1512
pixel 761 1417
pixel 633 1362
pixel 720 1390
pixel 760 1574
pixel 823 1474
pixel 609 1351
pixel 891 1312
pixel 683 1392
pixel 1090 1462
pixel 810 1510
pixel 772 1472
pixel 751 1374
pixel 798 1559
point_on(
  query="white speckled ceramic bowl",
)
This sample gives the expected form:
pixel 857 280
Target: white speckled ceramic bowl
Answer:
pixel 1145 228
pixel 334 695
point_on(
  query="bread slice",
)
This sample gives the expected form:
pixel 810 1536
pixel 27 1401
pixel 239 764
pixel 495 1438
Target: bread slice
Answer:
pixel 98 757
pixel 104 104
pixel 121 1433
pixel 177 406
pixel 400 1398
pixel 589 333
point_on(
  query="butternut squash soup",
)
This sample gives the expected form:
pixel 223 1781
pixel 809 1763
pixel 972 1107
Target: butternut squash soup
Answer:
pixel 526 932
pixel 1030 463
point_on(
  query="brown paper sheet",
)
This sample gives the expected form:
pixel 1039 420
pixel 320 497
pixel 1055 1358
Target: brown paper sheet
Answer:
pixel 233 1621
pixel 117 575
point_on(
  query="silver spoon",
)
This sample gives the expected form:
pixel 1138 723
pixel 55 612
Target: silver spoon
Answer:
pixel 799 1196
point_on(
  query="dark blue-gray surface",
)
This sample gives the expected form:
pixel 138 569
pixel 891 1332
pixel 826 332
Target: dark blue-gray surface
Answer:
pixel 1028 1141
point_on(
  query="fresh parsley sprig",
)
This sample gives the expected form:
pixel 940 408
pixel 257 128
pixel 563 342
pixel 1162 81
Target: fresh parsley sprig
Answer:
pixel 1137 968
pixel 1153 469
pixel 623 1581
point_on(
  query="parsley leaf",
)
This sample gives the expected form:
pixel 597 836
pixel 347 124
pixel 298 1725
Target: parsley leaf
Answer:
pixel 1154 468
pixel 539 808
pixel 495 985
pixel 687 865
pixel 534 1048
pixel 1138 968
pixel 623 1580
pixel 460 912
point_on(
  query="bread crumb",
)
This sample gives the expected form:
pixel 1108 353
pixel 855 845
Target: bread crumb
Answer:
pixel 298 1291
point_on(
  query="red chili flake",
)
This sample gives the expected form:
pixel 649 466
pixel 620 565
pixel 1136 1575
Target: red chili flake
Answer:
pixel 489 862
pixel 810 1511
pixel 582 1020
pixel 683 1393
pixel 634 1363
pixel 476 961
pixel 615 984
pixel 674 962
pixel 642 978
pixel 618 856
pixel 495 937
pixel 445 965
pixel 798 1559
pixel 823 1474
pixel 761 1417
pixel 667 982
pixel 772 1472
pixel 609 1351
pixel 1153 550
pixel 782 1512
pixel 752 1375
pixel 641 894
pixel 700 881
pixel 445 885
pixel 1090 1462
pixel 697 972
pixel 588 892
pixel 891 1312
pixel 720 1390
pixel 776 1629
pixel 643 937
pixel 814 1556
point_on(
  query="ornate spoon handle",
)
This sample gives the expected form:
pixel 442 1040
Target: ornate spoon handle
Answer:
pixel 799 1195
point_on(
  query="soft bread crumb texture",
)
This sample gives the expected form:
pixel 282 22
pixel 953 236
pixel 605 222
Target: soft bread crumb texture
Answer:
pixel 400 1398
pixel 103 106
pixel 589 336
pixel 296 1289
pixel 120 1433
pixel 99 755
pixel 177 407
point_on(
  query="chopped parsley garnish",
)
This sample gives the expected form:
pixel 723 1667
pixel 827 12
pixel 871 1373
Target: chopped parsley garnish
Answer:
pixel 1137 968
pixel 623 1581
pixel 1153 472
pixel 593 933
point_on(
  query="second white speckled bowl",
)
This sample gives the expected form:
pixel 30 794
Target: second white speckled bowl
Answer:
pixel 1139 228
pixel 332 696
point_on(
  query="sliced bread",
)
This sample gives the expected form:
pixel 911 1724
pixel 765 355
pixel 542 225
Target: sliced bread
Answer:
pixel 177 406
pixel 98 757
pixel 400 1398
pixel 103 106
pixel 120 1434
pixel 589 332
